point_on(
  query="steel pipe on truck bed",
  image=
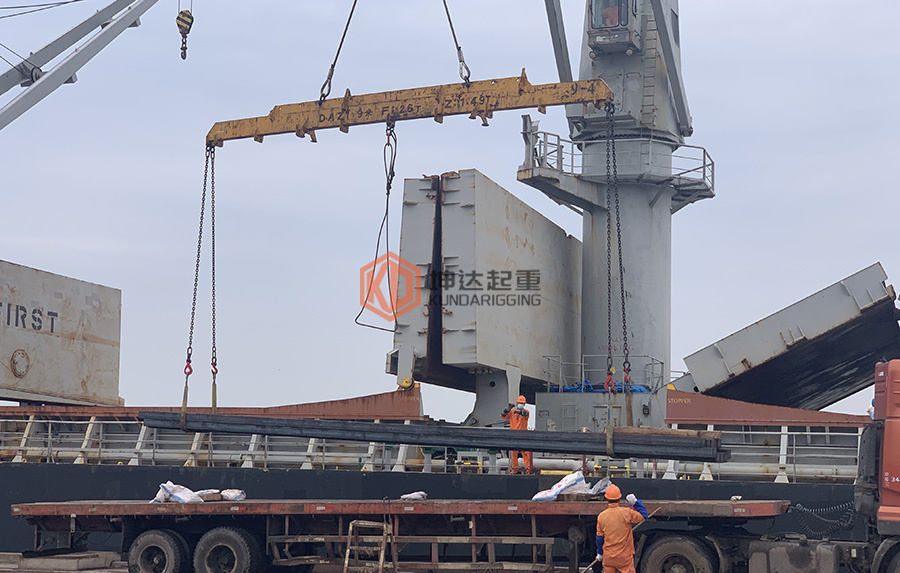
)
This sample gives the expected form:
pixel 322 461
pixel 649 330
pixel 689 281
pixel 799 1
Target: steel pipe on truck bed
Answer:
pixel 626 442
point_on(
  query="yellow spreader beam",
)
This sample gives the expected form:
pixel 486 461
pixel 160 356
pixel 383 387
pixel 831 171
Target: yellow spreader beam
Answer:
pixel 480 100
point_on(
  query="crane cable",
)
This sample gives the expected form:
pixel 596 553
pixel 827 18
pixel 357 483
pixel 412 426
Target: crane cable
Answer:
pixel 464 72
pixel 209 175
pixel 612 182
pixel 325 91
pixel 36 72
pixel 390 156
pixel 32 8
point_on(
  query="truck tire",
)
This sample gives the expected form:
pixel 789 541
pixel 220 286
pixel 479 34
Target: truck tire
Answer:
pixel 894 565
pixel 227 550
pixel 156 551
pixel 677 554
pixel 186 555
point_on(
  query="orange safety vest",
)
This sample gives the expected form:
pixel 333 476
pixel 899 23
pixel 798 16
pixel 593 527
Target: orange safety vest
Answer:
pixel 517 420
pixel 614 525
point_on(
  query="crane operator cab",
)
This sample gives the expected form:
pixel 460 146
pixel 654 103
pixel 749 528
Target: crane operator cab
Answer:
pixel 615 27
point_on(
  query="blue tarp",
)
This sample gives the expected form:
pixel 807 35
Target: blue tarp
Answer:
pixel 586 386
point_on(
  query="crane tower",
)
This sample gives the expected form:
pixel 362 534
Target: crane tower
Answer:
pixel 637 148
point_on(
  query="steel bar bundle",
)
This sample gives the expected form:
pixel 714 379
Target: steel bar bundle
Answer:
pixel 626 442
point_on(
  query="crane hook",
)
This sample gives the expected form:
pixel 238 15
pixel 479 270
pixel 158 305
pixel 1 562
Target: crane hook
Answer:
pixel 184 20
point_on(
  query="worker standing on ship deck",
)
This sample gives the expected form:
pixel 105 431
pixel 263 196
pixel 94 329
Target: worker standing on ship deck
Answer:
pixel 615 541
pixel 518 420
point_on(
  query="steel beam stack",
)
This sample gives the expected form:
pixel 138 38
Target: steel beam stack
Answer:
pixel 621 443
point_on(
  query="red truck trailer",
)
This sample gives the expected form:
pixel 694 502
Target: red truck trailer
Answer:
pixel 233 537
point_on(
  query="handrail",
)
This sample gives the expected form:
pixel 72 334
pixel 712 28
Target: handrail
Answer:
pixel 758 452
pixel 688 165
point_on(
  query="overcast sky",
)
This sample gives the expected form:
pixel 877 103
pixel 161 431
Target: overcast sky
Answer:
pixel 101 181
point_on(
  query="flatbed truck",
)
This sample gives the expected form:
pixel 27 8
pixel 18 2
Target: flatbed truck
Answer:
pixel 232 537
pixel 484 535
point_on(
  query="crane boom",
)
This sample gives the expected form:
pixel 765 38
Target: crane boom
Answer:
pixel 113 20
pixel 480 100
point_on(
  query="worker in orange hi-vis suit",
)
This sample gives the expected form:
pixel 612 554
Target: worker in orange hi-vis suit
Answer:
pixel 615 541
pixel 518 420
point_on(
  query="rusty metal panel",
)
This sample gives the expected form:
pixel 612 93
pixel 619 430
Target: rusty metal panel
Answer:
pixel 516 508
pixel 689 408
pixel 810 354
pixel 397 405
pixel 59 338
pixel 525 272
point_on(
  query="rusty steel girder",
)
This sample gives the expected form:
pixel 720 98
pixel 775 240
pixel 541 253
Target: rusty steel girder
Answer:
pixel 739 509
pixel 478 100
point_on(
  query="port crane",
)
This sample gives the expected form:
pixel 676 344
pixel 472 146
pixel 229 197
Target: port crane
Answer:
pixel 39 83
pixel 477 99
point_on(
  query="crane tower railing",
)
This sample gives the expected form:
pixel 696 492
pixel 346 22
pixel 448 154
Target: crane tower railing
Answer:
pixel 688 166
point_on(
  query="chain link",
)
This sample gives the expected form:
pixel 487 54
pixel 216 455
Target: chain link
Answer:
pixel 609 136
pixel 212 239
pixel 184 21
pixel 188 370
pixel 612 183
pixel 626 364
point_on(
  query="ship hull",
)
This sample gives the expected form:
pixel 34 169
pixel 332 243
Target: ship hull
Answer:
pixel 25 482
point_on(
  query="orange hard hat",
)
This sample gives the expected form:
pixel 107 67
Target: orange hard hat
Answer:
pixel 613 493
pixel 521 400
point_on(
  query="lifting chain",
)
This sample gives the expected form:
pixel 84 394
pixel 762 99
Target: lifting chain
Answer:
pixel 609 385
pixel 214 361
pixel 612 183
pixel 390 157
pixel 325 91
pixel 184 21
pixel 626 364
pixel 209 175
pixel 464 72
